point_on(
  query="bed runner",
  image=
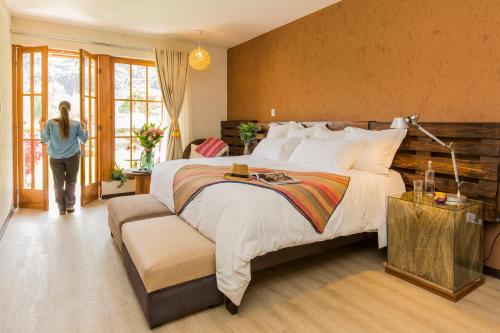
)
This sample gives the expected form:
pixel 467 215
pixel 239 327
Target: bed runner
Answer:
pixel 315 197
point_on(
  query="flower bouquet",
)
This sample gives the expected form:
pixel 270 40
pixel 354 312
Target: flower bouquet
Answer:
pixel 148 136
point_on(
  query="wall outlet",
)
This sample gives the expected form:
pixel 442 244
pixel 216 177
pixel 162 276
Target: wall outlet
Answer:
pixel 273 112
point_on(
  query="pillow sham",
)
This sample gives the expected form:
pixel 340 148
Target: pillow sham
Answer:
pixel 332 155
pixel 327 134
pixel 281 130
pixel 304 132
pixel 381 146
pixel 275 149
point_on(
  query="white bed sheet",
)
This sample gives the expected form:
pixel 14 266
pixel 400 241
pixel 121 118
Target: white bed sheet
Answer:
pixel 248 221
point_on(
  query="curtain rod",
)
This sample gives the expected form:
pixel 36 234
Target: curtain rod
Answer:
pixel 77 40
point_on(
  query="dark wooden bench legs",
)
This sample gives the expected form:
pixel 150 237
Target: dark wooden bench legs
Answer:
pixel 231 307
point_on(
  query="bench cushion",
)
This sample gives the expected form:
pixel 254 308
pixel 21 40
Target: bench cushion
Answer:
pixel 167 251
pixel 132 208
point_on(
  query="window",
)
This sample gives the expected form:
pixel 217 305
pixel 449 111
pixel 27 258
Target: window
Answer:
pixel 137 101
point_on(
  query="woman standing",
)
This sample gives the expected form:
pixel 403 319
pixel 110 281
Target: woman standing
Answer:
pixel 64 137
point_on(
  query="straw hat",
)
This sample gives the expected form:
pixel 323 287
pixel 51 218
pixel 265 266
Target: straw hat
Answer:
pixel 238 172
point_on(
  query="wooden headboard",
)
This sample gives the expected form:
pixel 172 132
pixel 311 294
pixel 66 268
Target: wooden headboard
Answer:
pixel 477 146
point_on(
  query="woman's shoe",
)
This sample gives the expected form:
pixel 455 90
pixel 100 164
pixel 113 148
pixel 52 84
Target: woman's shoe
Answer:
pixel 70 210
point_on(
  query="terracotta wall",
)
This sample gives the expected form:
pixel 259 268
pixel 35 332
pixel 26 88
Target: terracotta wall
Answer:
pixel 372 60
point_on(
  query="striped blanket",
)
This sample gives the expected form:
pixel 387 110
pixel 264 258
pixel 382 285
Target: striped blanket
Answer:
pixel 315 197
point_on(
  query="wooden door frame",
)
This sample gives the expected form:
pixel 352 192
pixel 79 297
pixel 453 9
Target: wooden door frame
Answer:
pixel 17 120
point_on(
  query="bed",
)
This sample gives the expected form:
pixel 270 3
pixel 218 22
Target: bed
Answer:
pixel 246 222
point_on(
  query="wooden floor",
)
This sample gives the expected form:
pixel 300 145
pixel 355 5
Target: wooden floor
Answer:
pixel 63 274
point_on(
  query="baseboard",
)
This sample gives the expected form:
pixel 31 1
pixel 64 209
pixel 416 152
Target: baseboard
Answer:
pixel 109 196
pixel 491 271
pixel 6 222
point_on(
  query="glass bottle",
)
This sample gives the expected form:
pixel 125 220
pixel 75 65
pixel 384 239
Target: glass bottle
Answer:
pixel 430 185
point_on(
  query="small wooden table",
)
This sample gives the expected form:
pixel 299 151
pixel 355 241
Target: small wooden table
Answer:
pixel 437 247
pixel 142 180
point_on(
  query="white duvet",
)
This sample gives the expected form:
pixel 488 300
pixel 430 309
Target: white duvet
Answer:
pixel 247 221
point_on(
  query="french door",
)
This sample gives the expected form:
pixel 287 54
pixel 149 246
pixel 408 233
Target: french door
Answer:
pixel 89 170
pixel 32 106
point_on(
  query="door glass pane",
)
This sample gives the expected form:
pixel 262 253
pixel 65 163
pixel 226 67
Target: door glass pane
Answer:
pixel 86 76
pixel 154 113
pixel 37 114
pixel 38 177
pixel 26 73
pixel 87 112
pixel 37 72
pixel 87 163
pixel 122 152
pixel 138 82
pixel 122 118
pixel 93 120
pixel 122 81
pixel 92 77
pixel 138 114
pixel 154 92
pixel 27 164
pixel 27 117
pixel 93 154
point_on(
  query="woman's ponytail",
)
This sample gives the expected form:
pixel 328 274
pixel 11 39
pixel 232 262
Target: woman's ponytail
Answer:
pixel 64 108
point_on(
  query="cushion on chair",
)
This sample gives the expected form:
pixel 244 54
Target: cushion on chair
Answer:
pixel 132 208
pixel 195 154
pixel 167 251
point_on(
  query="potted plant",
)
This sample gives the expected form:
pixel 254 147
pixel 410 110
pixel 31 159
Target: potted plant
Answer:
pixel 148 136
pixel 248 132
pixel 118 183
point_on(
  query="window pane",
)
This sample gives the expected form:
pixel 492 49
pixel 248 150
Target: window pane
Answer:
pixel 122 118
pixel 122 152
pixel 86 76
pixel 138 114
pixel 154 113
pixel 154 92
pixel 92 77
pixel 138 82
pixel 27 117
pixel 27 164
pixel 136 153
pixel 122 81
pixel 38 166
pixel 37 72
pixel 26 73
pixel 37 115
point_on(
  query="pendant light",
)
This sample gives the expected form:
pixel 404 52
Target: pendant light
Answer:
pixel 199 58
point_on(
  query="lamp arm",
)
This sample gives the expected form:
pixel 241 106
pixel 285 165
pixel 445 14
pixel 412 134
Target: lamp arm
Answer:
pixel 450 148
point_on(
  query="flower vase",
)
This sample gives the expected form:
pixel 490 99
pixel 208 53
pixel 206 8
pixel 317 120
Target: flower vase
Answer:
pixel 246 150
pixel 147 159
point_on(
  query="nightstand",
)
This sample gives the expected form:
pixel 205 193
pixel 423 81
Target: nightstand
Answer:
pixel 142 180
pixel 437 247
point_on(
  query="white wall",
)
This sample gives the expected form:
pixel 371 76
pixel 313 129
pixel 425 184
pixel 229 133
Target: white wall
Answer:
pixel 208 88
pixel 6 184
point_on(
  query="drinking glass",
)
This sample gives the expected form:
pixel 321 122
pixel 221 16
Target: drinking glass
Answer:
pixel 418 188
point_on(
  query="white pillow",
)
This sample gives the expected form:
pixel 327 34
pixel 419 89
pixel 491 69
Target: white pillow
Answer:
pixel 381 146
pixel 332 155
pixel 304 132
pixel 327 134
pixel 281 131
pixel 275 149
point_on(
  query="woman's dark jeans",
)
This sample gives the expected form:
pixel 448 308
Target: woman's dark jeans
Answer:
pixel 65 171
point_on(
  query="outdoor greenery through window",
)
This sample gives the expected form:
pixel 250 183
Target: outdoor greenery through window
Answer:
pixel 137 101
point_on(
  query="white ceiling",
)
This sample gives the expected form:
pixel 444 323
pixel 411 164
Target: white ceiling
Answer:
pixel 225 22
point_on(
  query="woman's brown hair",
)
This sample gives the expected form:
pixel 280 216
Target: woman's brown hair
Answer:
pixel 64 108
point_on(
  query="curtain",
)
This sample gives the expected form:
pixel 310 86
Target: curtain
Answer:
pixel 185 123
pixel 172 67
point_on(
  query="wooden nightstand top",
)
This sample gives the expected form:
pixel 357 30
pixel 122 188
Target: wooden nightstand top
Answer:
pixel 429 201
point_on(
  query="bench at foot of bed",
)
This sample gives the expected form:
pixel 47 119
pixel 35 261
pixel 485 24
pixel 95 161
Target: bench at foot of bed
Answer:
pixel 171 267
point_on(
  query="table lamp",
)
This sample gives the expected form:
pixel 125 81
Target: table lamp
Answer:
pixel 400 122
